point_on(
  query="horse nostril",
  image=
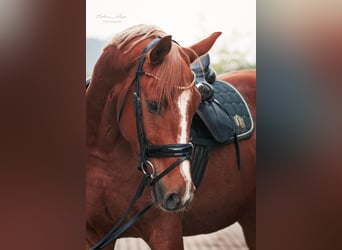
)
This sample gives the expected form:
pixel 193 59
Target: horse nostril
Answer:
pixel 173 201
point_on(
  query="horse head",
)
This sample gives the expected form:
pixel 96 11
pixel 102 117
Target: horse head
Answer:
pixel 155 73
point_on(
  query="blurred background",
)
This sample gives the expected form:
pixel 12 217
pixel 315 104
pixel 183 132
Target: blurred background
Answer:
pixel 187 21
pixel 299 174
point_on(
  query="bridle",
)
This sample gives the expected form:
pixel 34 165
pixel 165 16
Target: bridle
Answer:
pixel 182 151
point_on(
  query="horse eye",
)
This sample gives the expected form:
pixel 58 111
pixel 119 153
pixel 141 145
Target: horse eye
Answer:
pixel 153 107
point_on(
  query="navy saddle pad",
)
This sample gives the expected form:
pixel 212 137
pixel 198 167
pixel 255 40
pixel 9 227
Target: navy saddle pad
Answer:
pixel 224 116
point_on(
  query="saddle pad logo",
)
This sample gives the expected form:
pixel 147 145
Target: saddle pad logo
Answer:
pixel 239 121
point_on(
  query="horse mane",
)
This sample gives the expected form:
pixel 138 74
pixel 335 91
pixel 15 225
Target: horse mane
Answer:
pixel 170 74
pixel 140 31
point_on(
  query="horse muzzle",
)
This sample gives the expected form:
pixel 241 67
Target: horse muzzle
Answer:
pixel 173 200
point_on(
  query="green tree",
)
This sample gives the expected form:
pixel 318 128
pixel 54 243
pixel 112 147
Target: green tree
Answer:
pixel 230 60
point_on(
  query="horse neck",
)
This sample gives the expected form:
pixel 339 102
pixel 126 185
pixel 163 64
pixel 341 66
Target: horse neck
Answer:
pixel 101 100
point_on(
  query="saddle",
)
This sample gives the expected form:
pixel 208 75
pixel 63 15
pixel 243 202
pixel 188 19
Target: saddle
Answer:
pixel 223 117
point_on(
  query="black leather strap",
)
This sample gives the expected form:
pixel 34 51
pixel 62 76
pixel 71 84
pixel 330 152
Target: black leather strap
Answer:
pixel 199 162
pixel 127 225
pixel 168 170
pixel 169 150
pixel 116 230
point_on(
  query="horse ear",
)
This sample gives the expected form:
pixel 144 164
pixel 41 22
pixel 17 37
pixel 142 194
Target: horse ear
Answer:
pixel 202 47
pixel 160 50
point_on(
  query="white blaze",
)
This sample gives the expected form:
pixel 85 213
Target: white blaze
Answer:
pixel 183 103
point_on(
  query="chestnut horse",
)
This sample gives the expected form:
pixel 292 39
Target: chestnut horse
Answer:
pixel 153 132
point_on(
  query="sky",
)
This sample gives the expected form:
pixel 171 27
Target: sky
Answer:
pixel 188 21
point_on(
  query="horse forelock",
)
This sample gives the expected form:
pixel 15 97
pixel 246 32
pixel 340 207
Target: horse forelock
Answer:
pixel 172 75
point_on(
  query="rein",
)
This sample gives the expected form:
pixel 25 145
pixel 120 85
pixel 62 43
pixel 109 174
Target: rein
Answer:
pixel 182 151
